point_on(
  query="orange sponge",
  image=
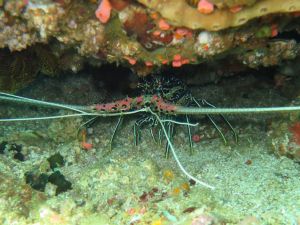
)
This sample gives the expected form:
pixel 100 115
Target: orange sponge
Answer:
pixel 103 11
pixel 205 7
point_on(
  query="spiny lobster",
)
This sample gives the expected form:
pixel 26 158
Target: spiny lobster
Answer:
pixel 173 91
pixel 154 104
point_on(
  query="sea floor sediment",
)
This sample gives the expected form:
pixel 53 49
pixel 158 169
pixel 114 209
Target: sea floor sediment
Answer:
pixel 46 177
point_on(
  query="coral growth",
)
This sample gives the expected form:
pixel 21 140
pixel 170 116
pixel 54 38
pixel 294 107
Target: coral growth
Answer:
pixel 272 54
pixel 286 139
pixel 295 129
pixel 146 35
pixel 20 68
pixel 181 14
pixel 103 11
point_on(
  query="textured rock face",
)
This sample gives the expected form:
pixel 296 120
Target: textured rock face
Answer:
pixel 182 14
pixel 146 35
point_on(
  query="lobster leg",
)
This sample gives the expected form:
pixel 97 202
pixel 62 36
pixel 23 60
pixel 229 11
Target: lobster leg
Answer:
pixel 144 120
pixel 152 134
pixel 170 131
pixel 224 119
pixel 136 133
pixel 218 129
pixel 189 134
pixel 212 121
pixel 86 123
pixel 159 136
pixel 114 132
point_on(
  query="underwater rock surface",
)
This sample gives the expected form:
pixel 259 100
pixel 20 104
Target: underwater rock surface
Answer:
pixel 149 35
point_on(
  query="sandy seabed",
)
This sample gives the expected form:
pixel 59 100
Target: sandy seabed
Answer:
pixel 47 178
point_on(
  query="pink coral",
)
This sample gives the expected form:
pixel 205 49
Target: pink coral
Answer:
pixel 205 7
pixel 103 11
pixel 163 25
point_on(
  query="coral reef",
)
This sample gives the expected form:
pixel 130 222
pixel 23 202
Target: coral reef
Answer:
pixel 51 173
pixel 271 55
pixel 19 69
pixel 286 138
pixel 225 3
pixel 148 35
pixel 181 14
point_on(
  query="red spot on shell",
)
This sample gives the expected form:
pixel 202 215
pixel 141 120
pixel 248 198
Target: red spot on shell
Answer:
pixel 99 107
pixel 124 104
pixel 161 105
pixel 139 99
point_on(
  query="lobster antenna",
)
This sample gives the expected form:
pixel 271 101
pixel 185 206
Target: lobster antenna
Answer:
pixel 19 99
pixel 175 155
pixel 178 109
pixel 97 114
pixel 203 111
pixel 40 118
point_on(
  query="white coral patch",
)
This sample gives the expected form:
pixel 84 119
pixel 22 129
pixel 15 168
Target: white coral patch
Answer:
pixel 205 37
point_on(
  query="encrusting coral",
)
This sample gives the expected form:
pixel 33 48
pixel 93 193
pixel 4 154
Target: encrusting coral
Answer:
pixel 180 13
pixel 225 3
pixel 147 35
